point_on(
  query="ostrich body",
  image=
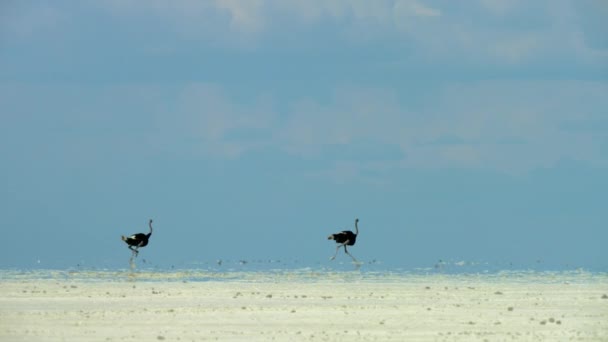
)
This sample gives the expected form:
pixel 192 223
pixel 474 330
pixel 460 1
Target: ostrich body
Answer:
pixel 138 240
pixel 345 238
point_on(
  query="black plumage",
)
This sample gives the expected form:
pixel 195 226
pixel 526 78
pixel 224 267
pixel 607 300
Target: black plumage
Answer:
pixel 345 238
pixel 138 240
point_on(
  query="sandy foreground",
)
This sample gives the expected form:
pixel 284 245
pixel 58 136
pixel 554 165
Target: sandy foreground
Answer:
pixel 288 307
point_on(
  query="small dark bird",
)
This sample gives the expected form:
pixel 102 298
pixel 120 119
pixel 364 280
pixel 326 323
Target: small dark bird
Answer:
pixel 345 238
pixel 138 240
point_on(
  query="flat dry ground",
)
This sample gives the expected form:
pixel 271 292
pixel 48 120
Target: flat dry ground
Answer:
pixel 404 308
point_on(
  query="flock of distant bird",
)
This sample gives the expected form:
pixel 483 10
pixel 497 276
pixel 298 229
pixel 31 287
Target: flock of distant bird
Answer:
pixel 343 239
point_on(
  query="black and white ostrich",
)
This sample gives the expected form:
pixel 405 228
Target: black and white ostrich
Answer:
pixel 345 238
pixel 138 240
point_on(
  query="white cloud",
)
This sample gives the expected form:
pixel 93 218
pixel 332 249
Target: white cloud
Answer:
pixel 379 12
pixel 512 127
pixel 486 32
pixel 204 116
pixel 245 16
pixel 507 126
pixel 258 17
pixel 409 8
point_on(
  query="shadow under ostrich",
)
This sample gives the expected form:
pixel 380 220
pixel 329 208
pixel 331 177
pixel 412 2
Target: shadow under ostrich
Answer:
pixel 345 238
pixel 138 240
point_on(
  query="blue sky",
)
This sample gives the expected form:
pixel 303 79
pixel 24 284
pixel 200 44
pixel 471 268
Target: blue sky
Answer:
pixel 473 131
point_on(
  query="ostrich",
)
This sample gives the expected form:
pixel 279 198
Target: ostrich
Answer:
pixel 345 238
pixel 138 240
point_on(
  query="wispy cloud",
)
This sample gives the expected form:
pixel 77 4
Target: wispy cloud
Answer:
pixel 245 16
pixel 504 126
pixel 484 32
pixel 362 133
pixel 206 120
pixel 261 16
